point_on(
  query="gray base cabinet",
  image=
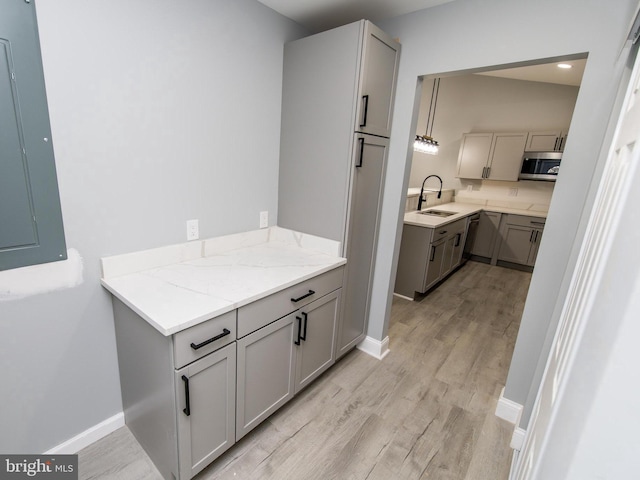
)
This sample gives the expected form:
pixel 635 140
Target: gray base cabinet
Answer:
pixel 428 255
pixel 189 397
pixel 288 339
pixel 521 236
pixel 487 234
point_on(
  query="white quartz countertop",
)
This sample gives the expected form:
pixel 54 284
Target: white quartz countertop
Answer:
pixel 461 210
pixel 178 286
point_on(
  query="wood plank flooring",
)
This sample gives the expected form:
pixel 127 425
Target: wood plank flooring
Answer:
pixel 424 412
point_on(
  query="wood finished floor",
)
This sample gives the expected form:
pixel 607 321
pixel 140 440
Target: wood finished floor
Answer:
pixel 424 412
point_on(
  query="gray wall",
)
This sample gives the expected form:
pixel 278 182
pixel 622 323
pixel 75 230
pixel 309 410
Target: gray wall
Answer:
pixel 468 34
pixel 161 111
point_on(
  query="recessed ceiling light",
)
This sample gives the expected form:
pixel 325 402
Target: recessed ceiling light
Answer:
pixel 564 65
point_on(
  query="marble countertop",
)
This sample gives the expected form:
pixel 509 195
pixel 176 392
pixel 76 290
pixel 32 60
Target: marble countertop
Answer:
pixel 178 286
pixel 461 210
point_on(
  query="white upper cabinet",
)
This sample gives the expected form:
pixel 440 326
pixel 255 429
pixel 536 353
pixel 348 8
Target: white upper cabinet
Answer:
pixel 379 69
pixel 547 141
pixel 491 156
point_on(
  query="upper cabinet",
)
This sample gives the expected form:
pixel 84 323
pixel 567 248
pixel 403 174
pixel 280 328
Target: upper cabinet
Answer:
pixel 378 78
pixel 547 141
pixel 491 156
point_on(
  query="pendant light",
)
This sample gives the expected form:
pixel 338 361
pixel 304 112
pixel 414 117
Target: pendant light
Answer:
pixel 425 143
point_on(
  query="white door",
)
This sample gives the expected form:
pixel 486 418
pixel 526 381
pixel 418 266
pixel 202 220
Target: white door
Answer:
pixel 577 427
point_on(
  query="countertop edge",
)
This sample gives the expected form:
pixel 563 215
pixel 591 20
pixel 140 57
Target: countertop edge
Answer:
pixel 219 311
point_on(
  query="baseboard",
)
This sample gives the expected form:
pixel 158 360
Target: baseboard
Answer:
pixel 402 296
pixel 86 438
pixel 376 348
pixel 517 439
pixel 508 409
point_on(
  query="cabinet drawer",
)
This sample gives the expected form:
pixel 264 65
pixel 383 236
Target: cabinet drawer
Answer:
pixel 262 312
pixel 525 221
pixel 447 230
pixel 201 336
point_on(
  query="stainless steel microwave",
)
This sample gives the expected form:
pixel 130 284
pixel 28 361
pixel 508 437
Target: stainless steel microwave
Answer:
pixel 540 166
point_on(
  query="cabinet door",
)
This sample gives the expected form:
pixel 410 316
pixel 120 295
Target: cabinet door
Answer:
pixel 516 244
pixel 458 247
pixel 434 265
pixel 506 156
pixel 447 259
pixel 364 217
pixel 486 234
pixel 543 141
pixel 474 155
pixel 379 72
pixel 316 334
pixel 535 247
pixel 205 392
pixel 266 362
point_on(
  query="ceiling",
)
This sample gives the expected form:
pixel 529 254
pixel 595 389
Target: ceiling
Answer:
pixel 547 72
pixel 320 15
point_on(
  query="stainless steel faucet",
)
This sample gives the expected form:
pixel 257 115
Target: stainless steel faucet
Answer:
pixel 421 199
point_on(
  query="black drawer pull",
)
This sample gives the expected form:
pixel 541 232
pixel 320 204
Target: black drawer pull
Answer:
pixel 297 342
pixel 458 238
pixel 365 100
pixel 295 300
pixel 433 253
pixel 187 409
pixel 224 333
pixel 304 335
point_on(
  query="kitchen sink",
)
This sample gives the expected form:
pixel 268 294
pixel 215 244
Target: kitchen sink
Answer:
pixel 436 213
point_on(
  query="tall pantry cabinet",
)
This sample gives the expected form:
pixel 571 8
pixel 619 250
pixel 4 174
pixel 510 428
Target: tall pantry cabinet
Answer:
pixel 338 93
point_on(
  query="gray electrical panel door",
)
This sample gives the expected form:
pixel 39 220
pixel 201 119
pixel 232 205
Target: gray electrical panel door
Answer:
pixel 31 230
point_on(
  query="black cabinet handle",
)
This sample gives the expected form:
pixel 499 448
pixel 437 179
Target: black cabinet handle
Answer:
pixel 536 223
pixel 442 232
pixel 365 100
pixel 187 409
pixel 531 236
pixel 458 238
pixel 536 239
pixel 297 342
pixel 304 335
pixel 560 144
pixel 224 333
pixel 295 300
pixel 555 145
pixel 488 172
pixel 359 164
pixel 433 253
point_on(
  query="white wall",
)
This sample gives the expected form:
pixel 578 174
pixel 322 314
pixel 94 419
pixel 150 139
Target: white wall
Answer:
pixel 161 111
pixel 478 103
pixel 468 34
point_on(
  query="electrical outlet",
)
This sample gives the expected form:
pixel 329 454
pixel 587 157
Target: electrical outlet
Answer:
pixel 264 219
pixel 193 231
pixel 469 188
pixel 513 192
